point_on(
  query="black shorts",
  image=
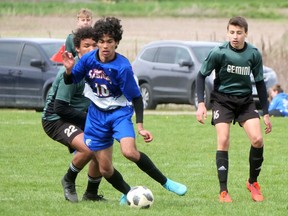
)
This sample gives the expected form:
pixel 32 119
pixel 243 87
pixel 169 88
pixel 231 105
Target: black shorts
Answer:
pixel 227 108
pixel 61 131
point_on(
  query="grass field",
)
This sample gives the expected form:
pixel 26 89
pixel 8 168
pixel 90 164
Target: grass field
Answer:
pixel 32 166
pixel 276 9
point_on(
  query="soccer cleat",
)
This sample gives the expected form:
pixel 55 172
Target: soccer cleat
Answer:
pixel 123 200
pixel 175 187
pixel 224 197
pixel 256 194
pixel 69 190
pixel 92 197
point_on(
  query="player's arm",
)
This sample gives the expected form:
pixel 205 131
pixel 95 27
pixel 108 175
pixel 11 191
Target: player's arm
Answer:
pixel 139 110
pixel 200 86
pixel 67 78
pixel 201 110
pixel 262 94
pixel 68 113
pixel 68 62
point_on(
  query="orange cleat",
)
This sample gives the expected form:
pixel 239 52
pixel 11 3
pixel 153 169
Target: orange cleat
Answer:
pixel 255 191
pixel 224 197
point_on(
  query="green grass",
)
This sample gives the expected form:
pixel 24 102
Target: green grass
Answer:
pixel 276 9
pixel 32 165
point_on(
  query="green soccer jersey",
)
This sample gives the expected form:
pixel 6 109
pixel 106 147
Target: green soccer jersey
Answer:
pixel 72 94
pixel 233 68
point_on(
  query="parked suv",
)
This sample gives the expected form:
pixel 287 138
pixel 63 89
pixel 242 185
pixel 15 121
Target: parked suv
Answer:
pixel 26 71
pixel 167 71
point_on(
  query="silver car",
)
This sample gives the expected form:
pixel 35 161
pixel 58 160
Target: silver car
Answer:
pixel 167 71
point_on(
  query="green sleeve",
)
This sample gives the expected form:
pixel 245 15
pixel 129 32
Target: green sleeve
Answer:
pixel 65 92
pixel 257 70
pixel 210 63
pixel 69 45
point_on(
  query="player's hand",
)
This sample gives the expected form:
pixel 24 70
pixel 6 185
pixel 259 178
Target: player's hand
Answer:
pixel 267 123
pixel 148 137
pixel 68 61
pixel 201 113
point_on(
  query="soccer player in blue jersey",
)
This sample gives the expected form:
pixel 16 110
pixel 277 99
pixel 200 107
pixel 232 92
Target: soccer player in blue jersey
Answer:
pixel 115 95
pixel 232 101
pixel 63 120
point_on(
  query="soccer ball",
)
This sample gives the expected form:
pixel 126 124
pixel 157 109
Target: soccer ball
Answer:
pixel 140 197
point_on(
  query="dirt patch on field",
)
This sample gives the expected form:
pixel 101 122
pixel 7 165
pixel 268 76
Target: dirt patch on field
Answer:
pixel 266 35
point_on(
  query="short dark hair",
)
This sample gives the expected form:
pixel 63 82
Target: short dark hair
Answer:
pixel 110 26
pixel 83 33
pixel 238 21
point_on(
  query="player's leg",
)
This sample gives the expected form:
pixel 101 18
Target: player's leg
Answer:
pixel 94 180
pixel 252 128
pixel 222 116
pixel 104 158
pixel 83 154
pixel 124 133
pixel 72 137
pixel 222 159
pixel 81 157
pixel 129 150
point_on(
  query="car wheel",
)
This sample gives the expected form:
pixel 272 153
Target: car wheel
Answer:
pixel 146 93
pixel 207 95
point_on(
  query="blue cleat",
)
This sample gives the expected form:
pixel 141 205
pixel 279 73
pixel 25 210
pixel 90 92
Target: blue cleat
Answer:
pixel 123 200
pixel 175 187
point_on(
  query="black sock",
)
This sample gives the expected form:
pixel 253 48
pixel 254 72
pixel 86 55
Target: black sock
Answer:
pixel 93 184
pixel 117 181
pixel 255 160
pixel 147 166
pixel 222 164
pixel 72 173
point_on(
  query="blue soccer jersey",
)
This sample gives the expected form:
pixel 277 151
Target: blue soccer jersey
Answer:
pixel 111 84
pixel 111 87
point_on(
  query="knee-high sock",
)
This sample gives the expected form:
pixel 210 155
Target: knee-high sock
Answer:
pixel 93 184
pixel 147 166
pixel 117 181
pixel 222 164
pixel 72 173
pixel 255 160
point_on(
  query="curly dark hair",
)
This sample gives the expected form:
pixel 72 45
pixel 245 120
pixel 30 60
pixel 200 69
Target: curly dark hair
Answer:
pixel 83 33
pixel 110 26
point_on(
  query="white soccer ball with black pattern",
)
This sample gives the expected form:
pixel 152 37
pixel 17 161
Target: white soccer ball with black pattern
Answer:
pixel 140 197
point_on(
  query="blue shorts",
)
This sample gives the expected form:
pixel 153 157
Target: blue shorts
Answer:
pixel 102 127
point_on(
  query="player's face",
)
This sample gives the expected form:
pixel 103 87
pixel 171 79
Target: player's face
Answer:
pixel 107 46
pixel 84 21
pixel 273 93
pixel 236 36
pixel 86 45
